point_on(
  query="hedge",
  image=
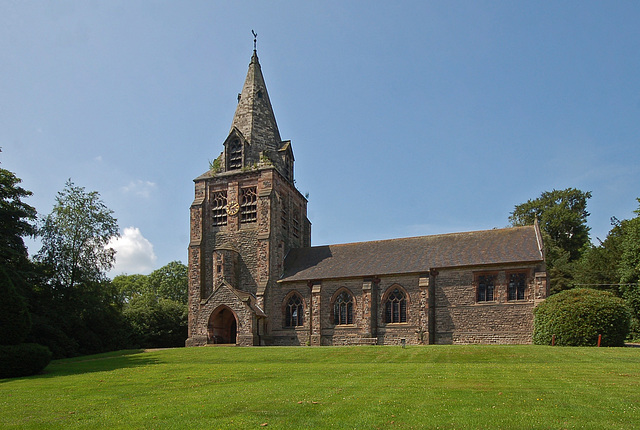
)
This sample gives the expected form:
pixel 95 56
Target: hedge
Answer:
pixel 576 317
pixel 23 360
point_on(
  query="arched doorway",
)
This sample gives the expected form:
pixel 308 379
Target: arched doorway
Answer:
pixel 222 326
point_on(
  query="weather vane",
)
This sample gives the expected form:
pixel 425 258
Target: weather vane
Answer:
pixel 255 37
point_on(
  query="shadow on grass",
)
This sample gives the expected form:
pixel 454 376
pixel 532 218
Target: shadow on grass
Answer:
pixel 97 363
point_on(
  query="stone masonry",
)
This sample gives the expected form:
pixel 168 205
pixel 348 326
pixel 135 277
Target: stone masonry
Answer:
pixel 254 278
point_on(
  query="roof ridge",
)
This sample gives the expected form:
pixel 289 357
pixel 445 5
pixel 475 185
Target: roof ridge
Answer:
pixel 459 233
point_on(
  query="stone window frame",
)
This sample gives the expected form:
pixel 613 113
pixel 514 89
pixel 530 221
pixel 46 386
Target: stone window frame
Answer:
pixel 348 310
pixel 286 309
pixel 248 205
pixel 385 298
pixel 525 290
pixel 478 290
pixel 218 199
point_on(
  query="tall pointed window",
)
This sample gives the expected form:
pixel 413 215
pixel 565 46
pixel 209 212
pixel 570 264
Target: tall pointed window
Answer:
pixel 293 311
pixel 219 207
pixel 234 155
pixel 248 205
pixel 343 309
pixel 395 307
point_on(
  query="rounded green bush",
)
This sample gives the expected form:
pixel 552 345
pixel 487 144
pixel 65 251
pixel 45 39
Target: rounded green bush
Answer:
pixel 23 360
pixel 576 317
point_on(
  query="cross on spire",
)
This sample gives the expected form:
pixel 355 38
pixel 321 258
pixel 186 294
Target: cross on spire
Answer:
pixel 255 39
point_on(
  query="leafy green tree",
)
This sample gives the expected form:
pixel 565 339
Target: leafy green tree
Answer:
pixel 75 237
pixel 78 308
pixel 629 268
pixel 16 222
pixel 170 282
pixel 562 216
pixel 598 266
pixel 130 286
pixel 157 322
pixel 156 305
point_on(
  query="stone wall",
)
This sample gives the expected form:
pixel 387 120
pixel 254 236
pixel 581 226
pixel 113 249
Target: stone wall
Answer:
pixel 441 308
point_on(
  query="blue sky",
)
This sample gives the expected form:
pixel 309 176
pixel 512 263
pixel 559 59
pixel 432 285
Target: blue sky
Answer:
pixel 406 118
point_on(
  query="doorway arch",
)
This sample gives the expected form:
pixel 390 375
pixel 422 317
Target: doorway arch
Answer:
pixel 223 326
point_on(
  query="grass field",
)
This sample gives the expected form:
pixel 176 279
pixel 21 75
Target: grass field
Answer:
pixel 519 387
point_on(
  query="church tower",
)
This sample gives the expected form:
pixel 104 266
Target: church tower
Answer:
pixel 246 215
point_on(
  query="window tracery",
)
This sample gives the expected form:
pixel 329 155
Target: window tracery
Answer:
pixel 249 205
pixel 395 307
pixel 343 309
pixel 219 208
pixel 294 310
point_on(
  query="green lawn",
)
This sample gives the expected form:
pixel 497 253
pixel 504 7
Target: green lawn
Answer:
pixel 369 387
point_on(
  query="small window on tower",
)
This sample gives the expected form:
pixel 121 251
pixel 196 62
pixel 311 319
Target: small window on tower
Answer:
pixel 234 155
pixel 296 223
pixel 219 207
pixel 249 205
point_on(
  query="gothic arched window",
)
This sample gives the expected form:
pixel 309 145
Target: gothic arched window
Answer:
pixel 234 155
pixel 343 309
pixel 293 311
pixel 395 307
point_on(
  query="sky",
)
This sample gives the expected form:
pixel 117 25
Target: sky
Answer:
pixel 406 118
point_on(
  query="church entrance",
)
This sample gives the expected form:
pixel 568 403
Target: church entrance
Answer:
pixel 222 326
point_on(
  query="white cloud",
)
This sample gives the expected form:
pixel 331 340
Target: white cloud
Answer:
pixel 140 188
pixel 134 253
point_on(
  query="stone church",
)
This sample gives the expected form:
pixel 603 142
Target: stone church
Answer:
pixel 255 279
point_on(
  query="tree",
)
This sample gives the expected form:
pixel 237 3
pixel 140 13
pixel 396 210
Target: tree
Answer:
pixel 156 305
pixel 629 267
pixel 75 237
pixel 77 307
pixel 170 282
pixel 130 286
pixel 16 218
pixel 562 216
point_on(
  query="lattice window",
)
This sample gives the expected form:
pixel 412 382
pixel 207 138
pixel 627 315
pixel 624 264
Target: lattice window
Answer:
pixel 296 223
pixel 249 205
pixel 234 155
pixel 343 309
pixel 395 307
pixel 294 310
pixel 486 288
pixel 219 207
pixel 517 286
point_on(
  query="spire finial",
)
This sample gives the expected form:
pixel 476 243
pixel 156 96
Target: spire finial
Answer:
pixel 255 39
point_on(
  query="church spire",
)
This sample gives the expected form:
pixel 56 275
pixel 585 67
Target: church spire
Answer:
pixel 254 116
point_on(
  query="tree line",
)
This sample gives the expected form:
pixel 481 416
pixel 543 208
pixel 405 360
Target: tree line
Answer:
pixel 61 298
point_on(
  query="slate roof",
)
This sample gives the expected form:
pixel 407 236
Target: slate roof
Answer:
pixel 414 254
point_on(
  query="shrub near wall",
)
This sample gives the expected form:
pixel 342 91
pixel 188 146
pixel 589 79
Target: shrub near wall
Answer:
pixel 576 317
